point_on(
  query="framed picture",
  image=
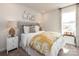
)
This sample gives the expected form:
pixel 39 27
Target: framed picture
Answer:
pixel 28 16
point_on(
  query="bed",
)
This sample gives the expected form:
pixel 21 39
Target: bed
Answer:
pixel 27 37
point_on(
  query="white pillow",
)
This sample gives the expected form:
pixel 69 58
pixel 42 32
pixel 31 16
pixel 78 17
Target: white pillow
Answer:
pixel 26 29
pixel 37 28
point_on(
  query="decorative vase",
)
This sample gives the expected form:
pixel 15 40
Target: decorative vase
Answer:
pixel 12 32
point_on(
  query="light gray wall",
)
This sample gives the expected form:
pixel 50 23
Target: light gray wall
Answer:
pixel 77 25
pixel 11 12
pixel 52 21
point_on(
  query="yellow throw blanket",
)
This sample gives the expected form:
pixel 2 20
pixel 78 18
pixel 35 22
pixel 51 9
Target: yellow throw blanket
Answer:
pixel 41 43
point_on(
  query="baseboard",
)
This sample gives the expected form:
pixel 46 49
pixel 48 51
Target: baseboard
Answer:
pixel 3 49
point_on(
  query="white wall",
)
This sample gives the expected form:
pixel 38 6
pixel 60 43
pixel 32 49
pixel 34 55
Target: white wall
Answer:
pixel 11 12
pixel 51 21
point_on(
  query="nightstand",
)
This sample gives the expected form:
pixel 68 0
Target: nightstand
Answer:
pixel 12 43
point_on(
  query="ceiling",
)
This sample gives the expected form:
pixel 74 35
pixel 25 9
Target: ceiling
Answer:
pixel 45 7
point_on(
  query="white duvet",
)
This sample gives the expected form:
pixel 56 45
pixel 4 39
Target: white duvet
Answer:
pixel 54 49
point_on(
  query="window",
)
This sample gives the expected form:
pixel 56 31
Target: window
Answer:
pixel 68 16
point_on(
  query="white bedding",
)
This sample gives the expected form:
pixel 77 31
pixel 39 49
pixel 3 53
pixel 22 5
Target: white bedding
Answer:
pixel 26 38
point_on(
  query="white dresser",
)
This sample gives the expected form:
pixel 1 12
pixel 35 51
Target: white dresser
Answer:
pixel 12 43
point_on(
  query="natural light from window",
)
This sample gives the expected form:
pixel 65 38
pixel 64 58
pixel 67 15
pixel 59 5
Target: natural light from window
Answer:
pixel 69 21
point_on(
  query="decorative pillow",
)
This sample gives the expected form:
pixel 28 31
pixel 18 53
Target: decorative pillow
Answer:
pixel 37 28
pixel 26 29
pixel 32 29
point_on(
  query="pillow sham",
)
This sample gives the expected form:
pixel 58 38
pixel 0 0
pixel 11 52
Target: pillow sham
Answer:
pixel 32 29
pixel 26 29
